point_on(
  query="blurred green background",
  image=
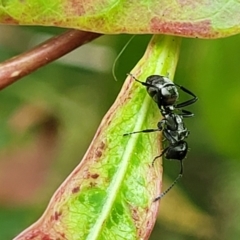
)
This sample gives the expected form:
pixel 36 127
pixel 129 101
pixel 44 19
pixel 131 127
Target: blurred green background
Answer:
pixel 49 118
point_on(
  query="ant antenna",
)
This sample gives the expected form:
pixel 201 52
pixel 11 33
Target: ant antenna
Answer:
pixel 131 75
pixel 118 56
pixel 143 83
pixel 171 186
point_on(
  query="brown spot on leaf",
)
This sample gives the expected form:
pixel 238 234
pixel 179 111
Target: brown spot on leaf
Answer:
pixel 31 235
pixel 94 176
pixel 148 223
pixel 62 235
pixel 135 215
pixel 9 20
pixel 75 190
pixel 46 237
pixel 98 154
pixel 99 150
pixel 92 184
pixel 192 29
pixel 102 146
pixel 56 216
pixel 74 7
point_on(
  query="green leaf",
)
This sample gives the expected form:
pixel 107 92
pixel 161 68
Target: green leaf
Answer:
pixel 204 19
pixel 110 194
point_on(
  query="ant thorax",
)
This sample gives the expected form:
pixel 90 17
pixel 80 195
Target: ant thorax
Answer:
pixel 173 127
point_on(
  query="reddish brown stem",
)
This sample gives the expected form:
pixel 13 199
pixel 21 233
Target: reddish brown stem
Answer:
pixel 54 48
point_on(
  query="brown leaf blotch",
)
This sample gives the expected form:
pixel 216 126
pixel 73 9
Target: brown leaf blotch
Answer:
pixel 201 28
pixel 75 190
pixel 94 176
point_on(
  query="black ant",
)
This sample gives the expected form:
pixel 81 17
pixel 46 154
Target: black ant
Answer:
pixel 165 93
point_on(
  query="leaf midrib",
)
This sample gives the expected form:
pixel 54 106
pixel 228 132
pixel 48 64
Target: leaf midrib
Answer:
pixel 117 180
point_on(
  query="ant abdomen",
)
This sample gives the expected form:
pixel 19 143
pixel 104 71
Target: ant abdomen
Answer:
pixel 177 152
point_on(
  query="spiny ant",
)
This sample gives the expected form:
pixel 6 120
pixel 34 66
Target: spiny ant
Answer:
pixel 165 93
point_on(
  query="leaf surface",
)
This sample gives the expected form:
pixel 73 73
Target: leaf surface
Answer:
pixel 190 18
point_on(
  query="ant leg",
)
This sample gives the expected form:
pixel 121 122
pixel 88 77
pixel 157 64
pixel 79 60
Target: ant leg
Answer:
pixel 142 131
pixel 189 102
pixel 186 114
pixel 173 183
pixel 159 155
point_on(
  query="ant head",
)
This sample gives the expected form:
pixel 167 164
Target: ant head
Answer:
pixel 162 90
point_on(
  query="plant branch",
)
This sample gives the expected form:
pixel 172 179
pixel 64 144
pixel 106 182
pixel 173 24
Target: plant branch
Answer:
pixel 48 51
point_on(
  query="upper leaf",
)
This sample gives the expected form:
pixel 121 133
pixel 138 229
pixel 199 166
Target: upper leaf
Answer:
pixel 190 18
